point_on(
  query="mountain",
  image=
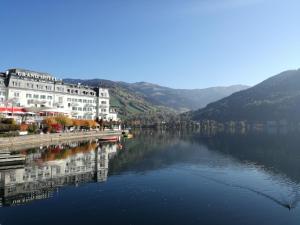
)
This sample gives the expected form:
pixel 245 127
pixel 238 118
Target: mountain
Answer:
pixel 275 99
pixel 181 100
pixel 141 97
pixel 126 102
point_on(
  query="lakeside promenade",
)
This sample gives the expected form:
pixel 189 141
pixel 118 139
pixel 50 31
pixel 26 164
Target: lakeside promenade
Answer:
pixel 19 142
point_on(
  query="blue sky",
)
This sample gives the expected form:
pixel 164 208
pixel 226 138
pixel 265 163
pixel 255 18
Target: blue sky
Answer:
pixel 176 43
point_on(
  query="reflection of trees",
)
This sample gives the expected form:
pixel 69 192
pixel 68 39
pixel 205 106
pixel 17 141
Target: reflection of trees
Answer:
pixel 62 153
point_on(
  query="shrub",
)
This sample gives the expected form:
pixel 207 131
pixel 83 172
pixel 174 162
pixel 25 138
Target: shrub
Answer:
pixel 32 128
pixel 56 127
pixel 8 127
pixel 7 121
pixel 64 121
pixel 49 121
pixel 23 127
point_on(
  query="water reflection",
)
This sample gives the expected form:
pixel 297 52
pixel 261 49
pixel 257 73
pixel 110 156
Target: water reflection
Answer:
pixel 244 178
pixel 271 160
pixel 50 167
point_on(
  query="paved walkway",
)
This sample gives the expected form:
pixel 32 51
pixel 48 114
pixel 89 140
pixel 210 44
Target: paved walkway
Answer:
pixel 19 141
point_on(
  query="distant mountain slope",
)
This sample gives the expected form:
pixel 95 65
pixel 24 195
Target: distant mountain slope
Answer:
pixel 181 99
pixel 131 98
pixel 127 103
pixel 277 98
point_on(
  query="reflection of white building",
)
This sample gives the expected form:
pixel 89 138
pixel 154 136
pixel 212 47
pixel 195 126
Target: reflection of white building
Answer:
pixel 28 90
pixel 111 150
pixel 36 180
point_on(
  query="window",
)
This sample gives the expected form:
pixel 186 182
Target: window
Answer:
pixel 43 96
pixel 17 94
pixel 28 95
pixel 35 96
pixel 49 97
pixel 60 99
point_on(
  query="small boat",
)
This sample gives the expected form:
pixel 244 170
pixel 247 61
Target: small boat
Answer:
pixel 124 132
pixel 128 135
pixel 109 139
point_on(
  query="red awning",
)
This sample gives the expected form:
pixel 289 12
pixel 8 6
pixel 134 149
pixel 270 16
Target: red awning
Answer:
pixel 12 110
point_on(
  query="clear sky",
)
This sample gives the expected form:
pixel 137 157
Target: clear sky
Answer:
pixel 176 43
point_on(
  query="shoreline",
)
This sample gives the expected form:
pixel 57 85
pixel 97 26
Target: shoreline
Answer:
pixel 19 142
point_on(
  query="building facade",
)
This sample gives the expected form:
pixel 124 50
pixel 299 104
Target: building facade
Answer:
pixel 43 93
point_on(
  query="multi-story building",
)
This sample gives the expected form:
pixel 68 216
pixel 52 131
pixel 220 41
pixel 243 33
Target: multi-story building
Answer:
pixel 44 94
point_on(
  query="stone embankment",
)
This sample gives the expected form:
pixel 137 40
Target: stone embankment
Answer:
pixel 14 143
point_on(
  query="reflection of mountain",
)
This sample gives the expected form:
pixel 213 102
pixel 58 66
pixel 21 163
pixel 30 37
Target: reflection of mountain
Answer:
pixel 141 150
pixel 275 152
pixel 53 167
pixel 275 158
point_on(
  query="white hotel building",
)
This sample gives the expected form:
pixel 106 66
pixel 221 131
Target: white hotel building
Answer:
pixel 24 91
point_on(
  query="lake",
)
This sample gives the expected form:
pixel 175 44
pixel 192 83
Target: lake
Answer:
pixel 158 177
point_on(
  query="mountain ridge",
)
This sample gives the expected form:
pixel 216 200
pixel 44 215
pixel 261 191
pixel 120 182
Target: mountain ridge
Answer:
pixel 140 97
pixel 276 98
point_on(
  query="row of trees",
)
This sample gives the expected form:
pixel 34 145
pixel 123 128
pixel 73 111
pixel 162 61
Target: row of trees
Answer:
pixel 63 122
pixel 53 124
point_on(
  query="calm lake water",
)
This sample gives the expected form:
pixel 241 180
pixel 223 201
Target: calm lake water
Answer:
pixel 158 178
